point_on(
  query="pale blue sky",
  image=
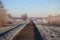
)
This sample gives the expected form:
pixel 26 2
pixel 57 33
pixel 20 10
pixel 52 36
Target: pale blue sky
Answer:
pixel 32 7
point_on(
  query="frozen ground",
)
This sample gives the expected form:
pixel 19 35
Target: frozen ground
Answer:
pixel 4 29
pixel 49 32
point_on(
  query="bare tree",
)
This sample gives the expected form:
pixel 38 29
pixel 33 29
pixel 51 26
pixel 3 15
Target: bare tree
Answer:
pixel 4 19
pixel 24 17
pixel 3 16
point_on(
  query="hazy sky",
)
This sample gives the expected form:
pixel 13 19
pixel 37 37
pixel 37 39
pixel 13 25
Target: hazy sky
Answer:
pixel 32 7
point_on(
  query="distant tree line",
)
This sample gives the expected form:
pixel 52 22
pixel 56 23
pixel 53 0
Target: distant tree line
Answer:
pixel 55 20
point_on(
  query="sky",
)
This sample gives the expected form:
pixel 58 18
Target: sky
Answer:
pixel 33 8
